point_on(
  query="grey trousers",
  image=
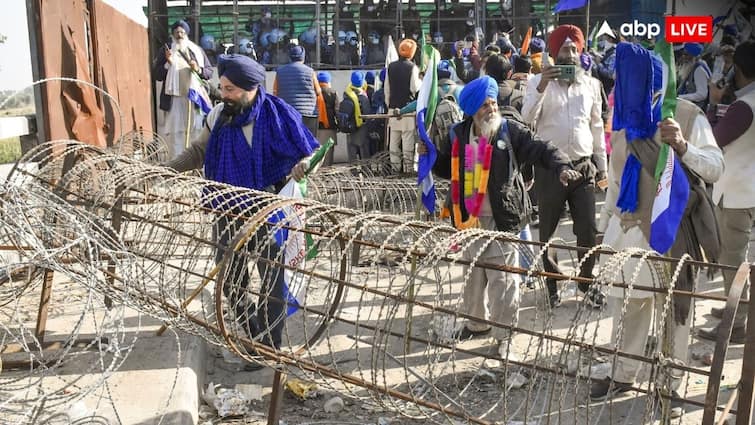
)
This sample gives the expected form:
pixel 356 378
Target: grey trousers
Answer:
pixel 358 145
pixel 502 287
pixel 401 147
pixel 735 225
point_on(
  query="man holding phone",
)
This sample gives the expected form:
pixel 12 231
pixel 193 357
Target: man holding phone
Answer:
pixel 564 105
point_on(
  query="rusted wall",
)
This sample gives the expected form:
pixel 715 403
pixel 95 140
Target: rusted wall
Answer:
pixel 91 41
pixel 122 48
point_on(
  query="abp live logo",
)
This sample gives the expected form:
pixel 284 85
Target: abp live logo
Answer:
pixel 678 29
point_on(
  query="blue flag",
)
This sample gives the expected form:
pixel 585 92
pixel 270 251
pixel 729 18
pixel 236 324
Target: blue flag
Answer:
pixel 427 100
pixel 564 5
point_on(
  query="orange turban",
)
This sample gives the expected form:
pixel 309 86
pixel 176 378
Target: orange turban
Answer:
pixel 407 48
pixel 558 36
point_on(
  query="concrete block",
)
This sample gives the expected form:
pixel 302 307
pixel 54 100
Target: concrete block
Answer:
pixel 150 385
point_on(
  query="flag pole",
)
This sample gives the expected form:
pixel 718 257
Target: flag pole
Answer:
pixel 587 18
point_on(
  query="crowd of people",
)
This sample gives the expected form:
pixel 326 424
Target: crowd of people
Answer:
pixel 549 126
pixel 357 35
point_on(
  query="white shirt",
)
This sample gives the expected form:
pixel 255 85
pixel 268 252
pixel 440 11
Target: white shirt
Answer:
pixel 701 86
pixel 568 116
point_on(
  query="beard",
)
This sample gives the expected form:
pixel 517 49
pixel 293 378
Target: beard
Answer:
pixel 561 60
pixel 231 108
pixel 685 70
pixel 180 43
pixel 489 126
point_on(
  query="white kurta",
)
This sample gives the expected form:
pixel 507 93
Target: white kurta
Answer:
pixel 634 317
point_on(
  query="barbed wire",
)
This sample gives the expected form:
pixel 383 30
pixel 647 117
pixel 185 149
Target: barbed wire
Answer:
pixel 199 256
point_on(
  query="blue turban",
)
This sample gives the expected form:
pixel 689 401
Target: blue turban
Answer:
pixel 357 79
pixel 473 94
pixel 242 70
pixel 296 53
pixel 639 75
pixel 537 45
pixel 323 77
pixel 444 69
pixel 180 23
pixel 382 75
pixel 693 49
pixel 369 77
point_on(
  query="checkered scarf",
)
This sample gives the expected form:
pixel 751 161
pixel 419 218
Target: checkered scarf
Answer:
pixel 279 141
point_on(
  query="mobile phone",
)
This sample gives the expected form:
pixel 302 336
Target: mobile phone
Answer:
pixel 545 59
pixel 568 72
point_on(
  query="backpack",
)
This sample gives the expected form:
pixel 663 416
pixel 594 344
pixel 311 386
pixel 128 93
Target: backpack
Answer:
pixel 507 105
pixel 345 116
pixel 517 206
pixel 514 98
pixel 447 113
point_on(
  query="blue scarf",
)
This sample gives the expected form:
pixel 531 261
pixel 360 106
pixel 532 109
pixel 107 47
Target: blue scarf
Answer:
pixel 279 142
pixel 638 75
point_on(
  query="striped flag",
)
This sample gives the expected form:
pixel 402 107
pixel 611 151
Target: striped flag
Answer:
pixel 427 101
pixel 296 246
pixel 673 187
pixel 198 96
pixel 391 55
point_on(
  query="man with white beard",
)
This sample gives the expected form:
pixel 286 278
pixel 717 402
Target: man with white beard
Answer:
pixel 179 66
pixel 485 142
pixel 694 75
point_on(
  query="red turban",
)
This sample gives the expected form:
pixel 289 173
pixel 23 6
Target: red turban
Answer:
pixel 558 36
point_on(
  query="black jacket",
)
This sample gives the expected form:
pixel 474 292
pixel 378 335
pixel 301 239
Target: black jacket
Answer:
pixel 528 151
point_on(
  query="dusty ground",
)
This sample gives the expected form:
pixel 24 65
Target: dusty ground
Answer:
pixel 479 386
pixel 461 381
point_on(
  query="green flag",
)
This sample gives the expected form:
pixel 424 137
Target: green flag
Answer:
pixel 421 47
pixel 666 52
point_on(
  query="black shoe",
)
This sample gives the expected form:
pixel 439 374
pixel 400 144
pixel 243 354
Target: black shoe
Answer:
pixel 466 333
pixel 554 300
pixel 606 388
pixel 593 296
pixel 253 366
pixel 677 406
pixel 738 334
pixel 716 312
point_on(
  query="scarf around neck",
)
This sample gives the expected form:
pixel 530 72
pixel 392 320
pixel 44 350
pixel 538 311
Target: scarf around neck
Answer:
pixel 322 110
pixel 638 75
pixel 351 92
pixel 476 175
pixel 279 141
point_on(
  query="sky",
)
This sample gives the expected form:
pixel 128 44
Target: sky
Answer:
pixel 15 57
pixel 15 60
